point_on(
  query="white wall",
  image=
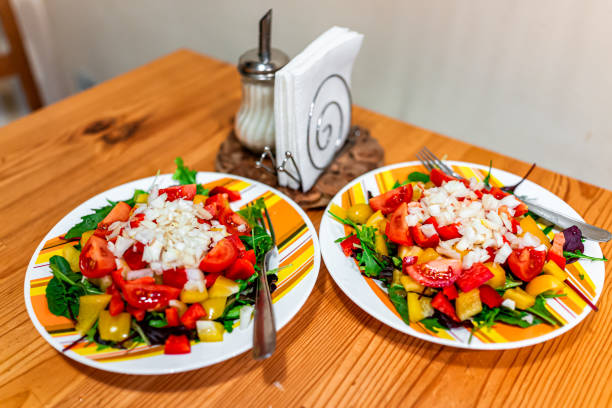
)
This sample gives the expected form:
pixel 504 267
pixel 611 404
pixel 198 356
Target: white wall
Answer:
pixel 528 79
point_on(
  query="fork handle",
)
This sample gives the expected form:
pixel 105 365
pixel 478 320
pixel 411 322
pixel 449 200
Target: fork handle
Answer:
pixel 264 332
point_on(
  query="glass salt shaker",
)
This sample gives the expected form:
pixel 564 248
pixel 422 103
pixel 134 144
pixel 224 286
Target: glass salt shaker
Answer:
pixel 254 124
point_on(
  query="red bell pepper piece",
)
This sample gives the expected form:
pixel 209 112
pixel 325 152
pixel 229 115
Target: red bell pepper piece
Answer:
pixel 192 315
pixel 526 263
pixel 136 313
pixel 211 278
pixel 135 221
pixel 555 253
pixel 177 344
pixel 438 177
pixel 133 256
pixel 489 296
pixel 172 317
pixel 450 292
pixel 521 209
pixel 175 277
pixel 231 195
pixel 348 245
pixel 497 192
pixel 186 192
pixel 440 302
pixel 450 231
pixel 472 278
pixel 421 240
pixel 116 304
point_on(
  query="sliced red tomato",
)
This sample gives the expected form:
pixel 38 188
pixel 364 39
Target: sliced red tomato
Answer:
pixel 408 261
pixel 450 231
pixel 348 245
pixel 221 257
pixel 489 296
pixel 237 243
pixel 555 253
pixel 175 277
pixel 212 209
pixel 148 296
pixel 438 177
pixel 521 209
pixel 192 315
pixel 120 212
pixel 440 302
pixel 438 273
pixel 211 278
pixel 472 278
pixel 133 256
pixel 116 304
pixel 397 229
pixel 234 223
pixel 241 269
pixel 172 317
pixel 218 201
pixel 186 192
pixel 421 240
pixel 526 263
pixel 250 256
pixel 231 195
pixel 177 345
pixel 497 192
pixel 138 314
pixel 388 202
pixel 96 260
pixel 450 292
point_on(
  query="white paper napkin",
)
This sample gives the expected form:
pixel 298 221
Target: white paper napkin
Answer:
pixel 312 104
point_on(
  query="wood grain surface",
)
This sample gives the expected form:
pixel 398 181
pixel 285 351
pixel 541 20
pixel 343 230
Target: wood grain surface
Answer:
pixel 331 353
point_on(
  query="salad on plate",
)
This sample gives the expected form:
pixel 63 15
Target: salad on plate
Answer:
pixel 167 266
pixel 454 253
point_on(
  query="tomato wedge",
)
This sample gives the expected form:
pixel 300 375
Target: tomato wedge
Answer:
pixel 438 177
pixel 555 253
pixel 241 269
pixel 231 195
pixel 249 256
pixel 440 302
pixel 526 263
pixel 238 244
pixel 438 273
pixel 221 257
pixel 217 201
pixel 472 278
pixel 397 229
pixel 96 260
pixel 133 256
pixel 186 192
pixel 388 202
pixel 175 277
pixel 148 296
pixel 234 222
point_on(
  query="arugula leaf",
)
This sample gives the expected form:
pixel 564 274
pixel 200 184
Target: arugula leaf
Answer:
pixel 398 295
pixel 511 283
pixel 418 176
pixel 156 319
pixel 259 241
pixel 89 222
pixel 184 175
pixel 253 212
pixel 578 254
pixel 432 324
pixel 229 325
pixel 132 200
pixel 489 316
pixel 539 309
pixel 396 185
pixel 487 179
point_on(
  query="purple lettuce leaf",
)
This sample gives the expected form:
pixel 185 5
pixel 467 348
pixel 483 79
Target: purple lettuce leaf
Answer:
pixel 573 241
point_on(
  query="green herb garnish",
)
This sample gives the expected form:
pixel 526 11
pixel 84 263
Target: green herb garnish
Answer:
pixel 487 179
pixel 578 254
pixel 184 175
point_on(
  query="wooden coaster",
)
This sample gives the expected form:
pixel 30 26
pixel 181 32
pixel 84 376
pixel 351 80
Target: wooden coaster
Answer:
pixel 360 154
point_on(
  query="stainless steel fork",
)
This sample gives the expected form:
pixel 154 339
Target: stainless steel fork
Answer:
pixel 431 161
pixel 264 331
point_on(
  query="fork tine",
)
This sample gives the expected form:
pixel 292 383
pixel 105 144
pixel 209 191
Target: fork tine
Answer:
pixel 425 162
pixel 438 162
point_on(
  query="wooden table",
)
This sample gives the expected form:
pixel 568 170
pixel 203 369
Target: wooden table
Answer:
pixel 331 353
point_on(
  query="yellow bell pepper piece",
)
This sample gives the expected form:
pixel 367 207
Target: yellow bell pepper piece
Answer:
pixel 551 268
pixel 468 304
pixel 209 330
pixel 428 255
pixel 90 307
pixel 499 275
pixel 380 245
pixel 419 307
pixel 375 220
pixel 337 210
pixel 544 283
pixel 199 199
pixel 214 307
pixel 114 328
pixel 397 277
pixel 193 296
pixel 71 254
pixel 403 251
pixel 522 299
pixel 141 198
pixel 410 285
pixel 85 237
pixel 223 287
pixel 528 224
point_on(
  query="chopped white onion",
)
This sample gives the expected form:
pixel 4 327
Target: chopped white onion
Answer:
pixel 139 273
pixel 502 254
pixel 245 316
pixel 428 230
pixel 509 303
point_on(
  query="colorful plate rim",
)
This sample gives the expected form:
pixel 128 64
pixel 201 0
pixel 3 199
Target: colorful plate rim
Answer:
pixel 337 264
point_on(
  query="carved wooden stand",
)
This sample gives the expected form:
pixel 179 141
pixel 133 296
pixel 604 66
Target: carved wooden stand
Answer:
pixel 360 154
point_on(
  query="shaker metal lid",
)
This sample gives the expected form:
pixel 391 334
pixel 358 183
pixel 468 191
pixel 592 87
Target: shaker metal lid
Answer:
pixel 261 63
